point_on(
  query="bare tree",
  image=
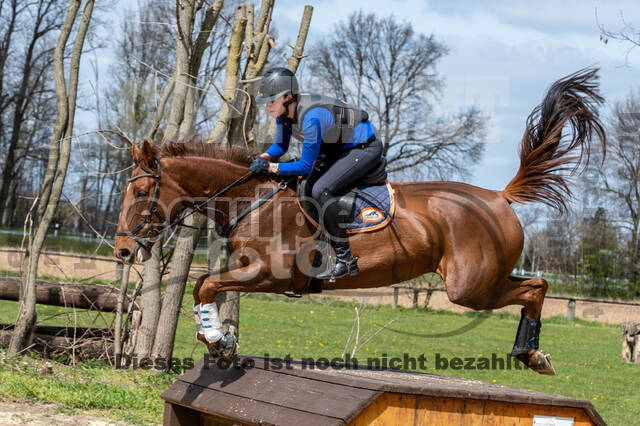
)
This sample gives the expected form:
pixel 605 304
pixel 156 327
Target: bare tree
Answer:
pixel 387 69
pixel 235 127
pixel 258 44
pixel 128 103
pixel 59 153
pixel 621 178
pixel 191 41
pixel 39 19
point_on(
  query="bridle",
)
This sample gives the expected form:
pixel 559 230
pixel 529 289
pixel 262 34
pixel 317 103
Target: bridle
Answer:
pixel 147 240
pixel 147 219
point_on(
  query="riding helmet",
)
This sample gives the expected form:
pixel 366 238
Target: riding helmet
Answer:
pixel 276 82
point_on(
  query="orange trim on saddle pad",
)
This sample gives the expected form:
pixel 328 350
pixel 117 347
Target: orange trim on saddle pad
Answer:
pixel 369 214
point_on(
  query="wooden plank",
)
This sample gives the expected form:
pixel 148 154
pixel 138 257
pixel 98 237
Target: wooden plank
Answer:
pixel 273 387
pixel 393 408
pixel 522 414
pixel 424 384
pixel 240 408
pixel 177 415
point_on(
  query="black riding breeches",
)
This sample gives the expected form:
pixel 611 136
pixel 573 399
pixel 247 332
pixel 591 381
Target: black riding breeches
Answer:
pixel 350 166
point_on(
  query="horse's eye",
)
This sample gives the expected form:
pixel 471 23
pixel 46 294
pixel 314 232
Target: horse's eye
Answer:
pixel 140 193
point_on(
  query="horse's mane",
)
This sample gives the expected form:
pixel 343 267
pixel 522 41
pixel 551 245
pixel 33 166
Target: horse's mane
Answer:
pixel 196 147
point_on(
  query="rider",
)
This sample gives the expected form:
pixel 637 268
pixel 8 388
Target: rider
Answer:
pixel 325 126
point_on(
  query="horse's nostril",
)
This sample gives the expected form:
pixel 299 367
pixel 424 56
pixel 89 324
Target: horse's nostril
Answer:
pixel 124 253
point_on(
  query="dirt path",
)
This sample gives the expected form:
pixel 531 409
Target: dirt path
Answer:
pixel 39 414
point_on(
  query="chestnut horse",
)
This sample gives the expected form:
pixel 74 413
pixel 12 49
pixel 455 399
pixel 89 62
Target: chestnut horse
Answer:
pixel 470 236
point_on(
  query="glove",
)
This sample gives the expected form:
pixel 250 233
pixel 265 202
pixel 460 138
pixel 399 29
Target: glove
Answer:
pixel 259 165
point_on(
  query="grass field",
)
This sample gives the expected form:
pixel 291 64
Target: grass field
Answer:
pixel 586 355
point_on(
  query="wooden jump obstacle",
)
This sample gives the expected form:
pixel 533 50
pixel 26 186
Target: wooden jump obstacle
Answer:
pixel 299 395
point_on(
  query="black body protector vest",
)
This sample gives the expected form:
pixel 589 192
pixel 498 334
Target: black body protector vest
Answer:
pixel 345 119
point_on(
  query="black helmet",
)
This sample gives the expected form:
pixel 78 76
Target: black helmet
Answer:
pixel 275 83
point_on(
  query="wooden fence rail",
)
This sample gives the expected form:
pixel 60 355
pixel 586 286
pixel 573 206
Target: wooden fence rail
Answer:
pixel 71 295
pixel 571 300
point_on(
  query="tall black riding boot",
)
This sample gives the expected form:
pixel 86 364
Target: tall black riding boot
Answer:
pixel 334 222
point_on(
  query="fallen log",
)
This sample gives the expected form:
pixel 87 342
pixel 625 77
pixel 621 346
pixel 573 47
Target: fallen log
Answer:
pixel 71 295
pixel 95 343
pixel 66 331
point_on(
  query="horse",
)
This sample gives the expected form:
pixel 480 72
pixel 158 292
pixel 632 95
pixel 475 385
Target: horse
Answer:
pixel 468 235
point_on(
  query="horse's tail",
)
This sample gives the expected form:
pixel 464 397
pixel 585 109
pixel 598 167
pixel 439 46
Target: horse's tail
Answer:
pixel 546 158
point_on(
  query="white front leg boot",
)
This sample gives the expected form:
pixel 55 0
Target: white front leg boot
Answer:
pixel 211 324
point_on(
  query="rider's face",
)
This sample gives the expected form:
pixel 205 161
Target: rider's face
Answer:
pixel 276 107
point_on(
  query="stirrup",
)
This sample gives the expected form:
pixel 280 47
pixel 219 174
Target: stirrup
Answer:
pixel 340 270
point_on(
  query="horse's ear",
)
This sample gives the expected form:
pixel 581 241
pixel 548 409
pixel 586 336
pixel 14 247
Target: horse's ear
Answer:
pixel 135 152
pixel 144 155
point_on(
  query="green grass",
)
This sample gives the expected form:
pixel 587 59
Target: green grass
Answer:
pixel 92 389
pixel 586 355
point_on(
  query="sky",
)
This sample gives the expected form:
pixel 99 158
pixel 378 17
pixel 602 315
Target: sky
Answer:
pixel 503 56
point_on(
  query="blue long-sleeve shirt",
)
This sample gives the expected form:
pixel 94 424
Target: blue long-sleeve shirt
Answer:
pixel 316 123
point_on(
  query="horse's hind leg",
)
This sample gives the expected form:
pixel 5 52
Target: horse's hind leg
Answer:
pixel 528 292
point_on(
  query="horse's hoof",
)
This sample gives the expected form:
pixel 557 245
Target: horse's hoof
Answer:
pixel 544 365
pixel 228 348
pixel 224 351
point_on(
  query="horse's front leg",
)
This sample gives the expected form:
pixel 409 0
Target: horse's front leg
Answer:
pixel 251 278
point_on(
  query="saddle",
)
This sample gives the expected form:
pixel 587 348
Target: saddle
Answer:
pixel 347 198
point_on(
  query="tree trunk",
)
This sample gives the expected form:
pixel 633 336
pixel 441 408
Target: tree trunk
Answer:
pixel 187 126
pixel 185 16
pixel 258 42
pixel 182 117
pixel 56 170
pixel 150 301
pixel 294 60
pixel 7 211
pixel 634 268
pixel 229 301
pixel 117 340
pixel 232 74
pixel 181 262
pixel 78 224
